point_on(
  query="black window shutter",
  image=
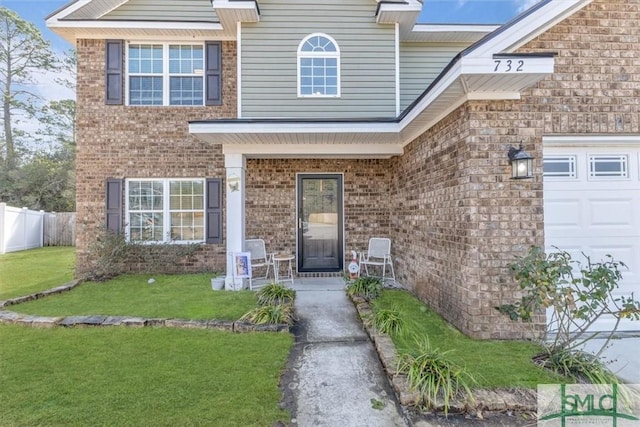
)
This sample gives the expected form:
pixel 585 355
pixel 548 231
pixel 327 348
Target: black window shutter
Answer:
pixel 214 210
pixel 114 205
pixel 113 72
pixel 213 73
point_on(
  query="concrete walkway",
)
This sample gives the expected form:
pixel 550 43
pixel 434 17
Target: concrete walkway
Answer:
pixel 334 376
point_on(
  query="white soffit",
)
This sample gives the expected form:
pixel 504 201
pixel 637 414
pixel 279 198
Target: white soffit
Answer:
pixel 436 33
pixel 312 151
pixel 149 30
pixel 292 132
pixel 236 11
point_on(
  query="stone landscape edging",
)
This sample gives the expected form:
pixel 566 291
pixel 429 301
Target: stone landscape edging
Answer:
pixel 485 400
pixel 11 317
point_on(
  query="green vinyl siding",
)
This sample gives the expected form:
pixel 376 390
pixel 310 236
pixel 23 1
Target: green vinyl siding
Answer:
pixel 420 64
pixel 269 60
pixel 164 10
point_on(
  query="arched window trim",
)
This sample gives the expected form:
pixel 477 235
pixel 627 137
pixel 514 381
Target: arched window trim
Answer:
pixel 320 54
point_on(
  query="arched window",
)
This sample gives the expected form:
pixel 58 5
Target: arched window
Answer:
pixel 318 66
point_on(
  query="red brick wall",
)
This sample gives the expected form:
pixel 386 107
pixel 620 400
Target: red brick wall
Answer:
pixel 459 218
pixel 271 199
pixel 116 141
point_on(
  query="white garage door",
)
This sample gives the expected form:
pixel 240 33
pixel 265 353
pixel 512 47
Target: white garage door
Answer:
pixel 592 205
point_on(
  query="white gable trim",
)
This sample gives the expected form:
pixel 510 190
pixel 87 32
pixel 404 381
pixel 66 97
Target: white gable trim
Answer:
pixel 533 23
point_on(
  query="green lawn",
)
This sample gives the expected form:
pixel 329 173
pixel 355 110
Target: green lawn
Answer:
pixel 119 376
pixel 493 364
pixel 26 272
pixel 140 377
pixel 184 296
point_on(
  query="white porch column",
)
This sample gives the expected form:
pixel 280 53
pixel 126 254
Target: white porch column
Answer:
pixel 235 165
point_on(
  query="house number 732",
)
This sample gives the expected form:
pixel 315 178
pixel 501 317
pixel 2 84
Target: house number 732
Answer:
pixel 508 65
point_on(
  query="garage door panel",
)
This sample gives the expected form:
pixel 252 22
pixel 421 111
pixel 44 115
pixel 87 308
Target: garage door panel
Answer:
pixel 566 213
pixel 616 213
pixel 597 215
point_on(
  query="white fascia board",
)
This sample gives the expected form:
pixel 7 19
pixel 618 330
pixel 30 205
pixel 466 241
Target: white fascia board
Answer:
pixel 519 64
pixel 591 140
pixel 444 83
pixel 138 25
pixel 66 11
pixel 529 27
pixel 314 150
pixel 293 127
pixel 401 7
pixel 492 96
pixel 454 28
pixel 63 13
pixel 226 4
pixel 115 6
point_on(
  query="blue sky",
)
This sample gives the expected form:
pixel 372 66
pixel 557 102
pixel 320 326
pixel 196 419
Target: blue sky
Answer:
pixel 434 11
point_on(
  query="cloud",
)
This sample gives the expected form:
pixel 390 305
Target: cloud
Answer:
pixel 47 87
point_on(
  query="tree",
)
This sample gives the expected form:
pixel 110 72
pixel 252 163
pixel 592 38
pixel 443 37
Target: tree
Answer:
pixel 575 295
pixel 23 51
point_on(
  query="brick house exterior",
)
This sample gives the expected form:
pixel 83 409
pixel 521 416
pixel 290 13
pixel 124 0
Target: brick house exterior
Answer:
pixel 448 203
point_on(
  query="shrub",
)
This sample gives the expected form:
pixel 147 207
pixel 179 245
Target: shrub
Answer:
pixel 582 367
pixel 367 287
pixel 577 295
pixel 111 255
pixel 388 320
pixel 271 314
pixel 275 293
pixel 431 373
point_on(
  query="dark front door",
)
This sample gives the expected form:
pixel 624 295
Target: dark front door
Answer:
pixel 320 223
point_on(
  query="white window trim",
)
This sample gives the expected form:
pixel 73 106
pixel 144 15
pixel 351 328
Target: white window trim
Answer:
pixel 625 163
pixel 166 211
pixel 335 55
pixel 573 159
pixel 165 72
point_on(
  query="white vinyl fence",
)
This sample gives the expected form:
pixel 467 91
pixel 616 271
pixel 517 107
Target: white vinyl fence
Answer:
pixel 21 229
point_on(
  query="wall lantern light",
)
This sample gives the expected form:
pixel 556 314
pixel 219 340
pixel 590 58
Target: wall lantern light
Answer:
pixel 521 163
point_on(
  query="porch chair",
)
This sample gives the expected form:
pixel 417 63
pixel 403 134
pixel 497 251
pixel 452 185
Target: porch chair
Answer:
pixel 259 258
pixel 378 254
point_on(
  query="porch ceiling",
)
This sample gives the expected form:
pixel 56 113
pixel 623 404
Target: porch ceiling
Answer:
pixel 499 77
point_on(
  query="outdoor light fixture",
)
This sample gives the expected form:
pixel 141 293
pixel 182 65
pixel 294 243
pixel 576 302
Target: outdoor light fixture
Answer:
pixel 521 163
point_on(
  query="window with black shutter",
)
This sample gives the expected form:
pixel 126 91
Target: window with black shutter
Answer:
pixel 214 210
pixel 113 72
pixel 213 73
pixel 113 217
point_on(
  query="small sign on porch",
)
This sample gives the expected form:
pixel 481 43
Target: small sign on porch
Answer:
pixel 242 265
